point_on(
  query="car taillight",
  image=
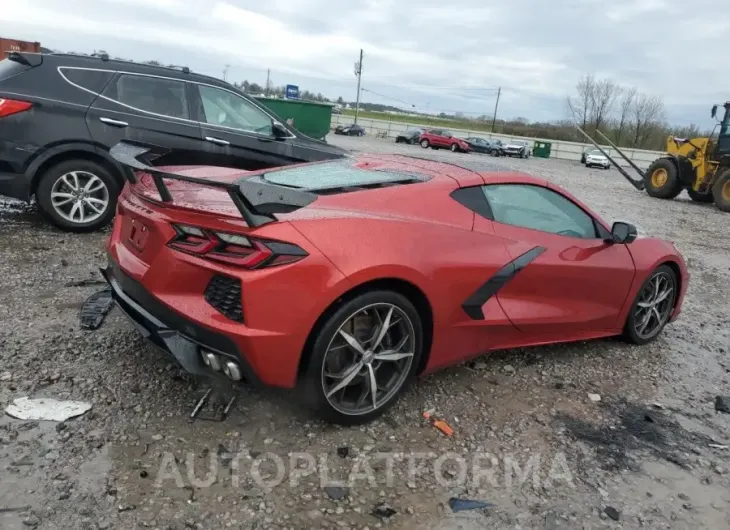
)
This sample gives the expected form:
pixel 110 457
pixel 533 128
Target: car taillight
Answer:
pixel 234 249
pixel 13 106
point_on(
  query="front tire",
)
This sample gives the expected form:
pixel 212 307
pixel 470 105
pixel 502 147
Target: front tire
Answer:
pixel 454 148
pixel 721 191
pixel 652 307
pixel 78 195
pixel 424 143
pixel 662 179
pixel 347 361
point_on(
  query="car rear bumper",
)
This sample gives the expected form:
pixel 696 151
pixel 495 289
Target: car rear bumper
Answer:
pixel 180 337
pixel 16 185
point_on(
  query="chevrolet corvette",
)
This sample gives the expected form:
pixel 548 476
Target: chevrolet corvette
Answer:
pixel 345 279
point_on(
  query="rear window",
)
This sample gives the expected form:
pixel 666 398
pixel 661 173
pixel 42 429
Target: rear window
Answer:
pixel 92 80
pixel 339 174
pixel 10 68
pixel 165 97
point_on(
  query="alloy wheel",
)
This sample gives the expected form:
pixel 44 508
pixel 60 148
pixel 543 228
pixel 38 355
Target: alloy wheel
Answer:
pixel 655 304
pixel 80 197
pixel 368 359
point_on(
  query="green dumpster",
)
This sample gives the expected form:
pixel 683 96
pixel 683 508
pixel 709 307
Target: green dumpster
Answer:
pixel 312 119
pixel 542 149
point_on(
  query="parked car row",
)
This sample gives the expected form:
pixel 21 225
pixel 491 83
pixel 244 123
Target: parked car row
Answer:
pixel 60 114
pixel 444 139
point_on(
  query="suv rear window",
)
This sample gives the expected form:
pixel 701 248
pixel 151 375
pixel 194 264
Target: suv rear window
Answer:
pixel 92 80
pixel 165 97
pixel 9 68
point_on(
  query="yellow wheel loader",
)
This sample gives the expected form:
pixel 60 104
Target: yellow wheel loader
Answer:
pixel 699 165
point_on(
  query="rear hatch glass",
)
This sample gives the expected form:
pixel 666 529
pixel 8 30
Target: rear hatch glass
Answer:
pixel 334 175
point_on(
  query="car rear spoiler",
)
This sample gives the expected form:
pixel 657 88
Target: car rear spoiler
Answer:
pixel 255 198
pixel 26 58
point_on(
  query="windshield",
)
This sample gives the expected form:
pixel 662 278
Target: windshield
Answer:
pixel 595 152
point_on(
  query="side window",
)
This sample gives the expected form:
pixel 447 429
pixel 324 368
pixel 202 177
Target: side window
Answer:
pixel 226 109
pixel 92 80
pixel 538 208
pixel 150 94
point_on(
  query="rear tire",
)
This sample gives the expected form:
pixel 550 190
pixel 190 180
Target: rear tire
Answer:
pixel 425 143
pixel 662 179
pixel 633 329
pixel 57 200
pixel 721 191
pixel 324 358
pixel 700 197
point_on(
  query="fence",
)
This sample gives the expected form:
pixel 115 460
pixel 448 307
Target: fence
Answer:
pixel 560 149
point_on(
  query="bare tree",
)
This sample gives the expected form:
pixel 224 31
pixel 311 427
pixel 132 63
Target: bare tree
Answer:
pixel 627 104
pixel 603 98
pixel 581 106
pixel 648 113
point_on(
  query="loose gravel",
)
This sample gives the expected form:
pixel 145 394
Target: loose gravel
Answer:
pixel 651 453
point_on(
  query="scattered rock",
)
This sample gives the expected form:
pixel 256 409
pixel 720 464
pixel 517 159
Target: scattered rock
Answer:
pixel 6 376
pixel 342 452
pixel 595 398
pixel 336 493
pixel 508 368
pixel 612 512
pixel 383 511
pixel 31 521
pixel 722 404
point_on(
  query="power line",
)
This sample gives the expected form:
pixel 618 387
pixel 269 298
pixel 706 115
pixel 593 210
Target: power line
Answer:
pixel 387 97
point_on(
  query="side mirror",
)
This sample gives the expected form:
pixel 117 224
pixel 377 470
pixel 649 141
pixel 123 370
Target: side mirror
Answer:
pixel 279 130
pixel 714 111
pixel 623 232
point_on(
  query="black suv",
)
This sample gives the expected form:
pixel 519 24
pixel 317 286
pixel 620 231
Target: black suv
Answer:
pixel 60 115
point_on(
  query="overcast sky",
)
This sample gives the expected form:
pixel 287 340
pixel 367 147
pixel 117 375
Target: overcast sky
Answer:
pixel 436 55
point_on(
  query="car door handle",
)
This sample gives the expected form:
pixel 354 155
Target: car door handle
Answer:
pixel 114 123
pixel 217 141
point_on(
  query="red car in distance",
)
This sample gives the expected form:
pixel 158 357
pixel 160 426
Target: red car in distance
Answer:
pixel 347 278
pixel 443 139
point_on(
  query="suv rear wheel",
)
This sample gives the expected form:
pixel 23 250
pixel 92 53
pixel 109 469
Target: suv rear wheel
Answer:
pixel 78 195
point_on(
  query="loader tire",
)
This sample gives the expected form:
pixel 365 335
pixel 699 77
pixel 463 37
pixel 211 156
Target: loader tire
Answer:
pixel 721 191
pixel 700 197
pixel 662 179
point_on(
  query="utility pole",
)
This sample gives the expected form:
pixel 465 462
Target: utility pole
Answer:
pixel 225 72
pixel 268 81
pixel 496 105
pixel 358 73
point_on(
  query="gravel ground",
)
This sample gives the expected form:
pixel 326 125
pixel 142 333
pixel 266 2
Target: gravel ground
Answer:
pixel 528 438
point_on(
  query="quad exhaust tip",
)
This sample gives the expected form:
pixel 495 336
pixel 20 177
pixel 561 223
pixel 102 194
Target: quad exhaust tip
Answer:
pixel 215 363
pixel 232 370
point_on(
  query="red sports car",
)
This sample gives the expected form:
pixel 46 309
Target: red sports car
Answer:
pixel 346 278
pixel 443 139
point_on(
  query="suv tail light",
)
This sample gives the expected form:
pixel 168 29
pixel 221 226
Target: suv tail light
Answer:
pixel 13 106
pixel 234 249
